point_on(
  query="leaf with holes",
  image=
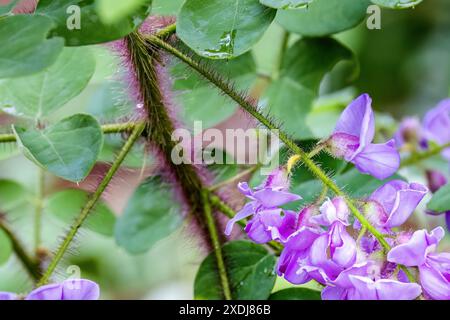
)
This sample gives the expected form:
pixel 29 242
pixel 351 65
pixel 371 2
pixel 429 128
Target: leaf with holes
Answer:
pixel 218 29
pixel 250 270
pixel 40 95
pixel 68 149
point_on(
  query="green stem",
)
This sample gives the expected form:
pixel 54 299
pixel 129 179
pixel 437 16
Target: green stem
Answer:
pixel 31 265
pixel 216 245
pixel 235 178
pixel 167 31
pixel 283 48
pixel 107 129
pixel 38 209
pixel 417 157
pixel 92 201
pixel 248 106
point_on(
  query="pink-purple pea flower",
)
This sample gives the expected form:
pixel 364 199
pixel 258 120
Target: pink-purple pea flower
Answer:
pixel 322 255
pixel 436 126
pixel 364 281
pixel 392 204
pixel 268 221
pixel 72 289
pixel 434 268
pixel 352 140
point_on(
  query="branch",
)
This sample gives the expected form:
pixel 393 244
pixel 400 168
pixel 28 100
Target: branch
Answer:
pixel 31 265
pixel 107 129
pixel 92 201
pixel 217 248
pixel 248 106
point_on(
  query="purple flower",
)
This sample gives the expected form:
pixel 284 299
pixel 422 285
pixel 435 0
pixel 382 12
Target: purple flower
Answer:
pixel 409 131
pixel 352 140
pixel 271 224
pixel 363 282
pixel 7 296
pixel 391 205
pixel 295 254
pixel 436 125
pixel 265 198
pixel 72 289
pixel 434 268
pixel 327 253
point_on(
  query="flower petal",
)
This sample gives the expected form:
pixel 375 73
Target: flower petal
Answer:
pixel 434 283
pixel 246 211
pixel 80 289
pixel 378 160
pixel 436 123
pixel 8 296
pixel 47 292
pixel 270 198
pixel 414 252
pixel 358 120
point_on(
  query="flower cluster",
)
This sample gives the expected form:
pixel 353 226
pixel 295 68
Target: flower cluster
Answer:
pixel 434 130
pixel 319 242
pixel 72 289
pixel 323 243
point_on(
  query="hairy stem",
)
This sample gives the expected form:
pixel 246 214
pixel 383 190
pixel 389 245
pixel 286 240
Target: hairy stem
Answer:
pixel 107 129
pixel 217 248
pixel 92 201
pixel 31 265
pixel 39 205
pixel 248 106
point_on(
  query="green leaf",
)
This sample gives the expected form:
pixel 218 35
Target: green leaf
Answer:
pixel 441 200
pixel 250 268
pixel 355 184
pixel 291 97
pixel 68 149
pixel 25 47
pixel 41 94
pixel 286 4
pixel 12 195
pixel 201 102
pixel 166 8
pixel 6 247
pixel 113 11
pixel 324 17
pixel 92 30
pixel 296 294
pixel 7 8
pixel 151 214
pixel 397 4
pixel 220 29
pixel 66 206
